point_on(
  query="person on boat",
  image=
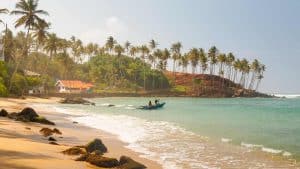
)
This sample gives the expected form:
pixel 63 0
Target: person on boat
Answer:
pixel 156 101
pixel 150 104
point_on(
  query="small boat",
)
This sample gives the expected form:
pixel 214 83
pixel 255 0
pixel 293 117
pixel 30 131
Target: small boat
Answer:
pixel 153 107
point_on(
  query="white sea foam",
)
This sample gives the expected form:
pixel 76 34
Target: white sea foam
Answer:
pixel 164 142
pixel 286 154
pixel 289 96
pixel 248 145
pixel 271 150
pixel 105 104
pixel 226 140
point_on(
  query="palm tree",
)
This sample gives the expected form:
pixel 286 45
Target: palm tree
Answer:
pixel 203 60
pixel 3 11
pixel 133 51
pixel 255 69
pixel 164 59
pixel 144 51
pixel 245 68
pixel 212 54
pixel 52 44
pixel 194 58
pixel 119 50
pixel 40 33
pixel 127 46
pixel 153 44
pixel 237 66
pixel 184 62
pixel 29 17
pixel 229 61
pixel 28 9
pixel 110 43
pixel 261 70
pixel 176 49
pixel 221 59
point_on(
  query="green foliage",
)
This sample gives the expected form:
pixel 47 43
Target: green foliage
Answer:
pixel 18 84
pixel 179 89
pixel 3 90
pixel 33 81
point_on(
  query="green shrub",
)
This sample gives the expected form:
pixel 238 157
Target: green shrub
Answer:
pixel 3 90
pixel 18 84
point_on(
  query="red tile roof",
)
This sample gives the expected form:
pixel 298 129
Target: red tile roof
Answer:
pixel 76 84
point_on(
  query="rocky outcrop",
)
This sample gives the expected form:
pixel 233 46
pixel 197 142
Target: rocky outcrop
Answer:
pixel 29 115
pixel 74 151
pixel 76 100
pixel 49 132
pixel 96 145
pixel 128 163
pixel 93 154
pixel 3 113
pixel 101 161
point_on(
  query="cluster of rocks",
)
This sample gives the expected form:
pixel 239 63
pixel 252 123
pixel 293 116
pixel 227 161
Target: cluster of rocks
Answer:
pixel 47 132
pixel 93 154
pixel 76 100
pixel 26 115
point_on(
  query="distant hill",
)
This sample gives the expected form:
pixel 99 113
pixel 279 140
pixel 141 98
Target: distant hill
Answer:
pixel 205 85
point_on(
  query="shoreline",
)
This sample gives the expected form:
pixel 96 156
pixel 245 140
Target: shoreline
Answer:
pixel 73 135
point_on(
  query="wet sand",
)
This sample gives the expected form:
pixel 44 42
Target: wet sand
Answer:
pixel 23 147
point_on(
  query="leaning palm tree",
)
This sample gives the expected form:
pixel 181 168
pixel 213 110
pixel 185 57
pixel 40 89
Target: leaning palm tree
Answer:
pixel 184 62
pixel 212 54
pixel 229 61
pixel 3 11
pixel 261 70
pixel 203 60
pixel 176 49
pixel 255 70
pixel 221 59
pixel 194 58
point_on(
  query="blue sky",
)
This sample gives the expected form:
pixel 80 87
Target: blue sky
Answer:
pixel 265 29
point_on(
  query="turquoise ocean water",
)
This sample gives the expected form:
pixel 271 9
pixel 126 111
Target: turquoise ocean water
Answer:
pixel 201 133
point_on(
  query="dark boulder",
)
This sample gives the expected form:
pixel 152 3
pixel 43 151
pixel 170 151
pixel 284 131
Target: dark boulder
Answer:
pixel 94 145
pixel 51 139
pixel 3 113
pixel 28 114
pixel 101 161
pixel 128 163
pixel 74 151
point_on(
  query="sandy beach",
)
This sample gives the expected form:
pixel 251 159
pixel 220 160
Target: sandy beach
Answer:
pixel 23 147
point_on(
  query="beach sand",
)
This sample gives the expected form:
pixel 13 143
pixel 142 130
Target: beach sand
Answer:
pixel 23 147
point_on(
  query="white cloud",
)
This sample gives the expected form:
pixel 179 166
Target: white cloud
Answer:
pixel 113 26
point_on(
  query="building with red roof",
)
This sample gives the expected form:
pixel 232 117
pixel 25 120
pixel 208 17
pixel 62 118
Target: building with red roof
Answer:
pixel 73 86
